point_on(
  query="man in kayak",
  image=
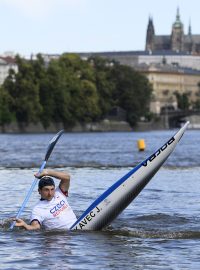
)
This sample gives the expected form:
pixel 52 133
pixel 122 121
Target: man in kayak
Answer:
pixel 52 211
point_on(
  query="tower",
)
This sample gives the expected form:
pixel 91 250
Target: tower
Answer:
pixel 177 36
pixel 150 36
pixel 191 45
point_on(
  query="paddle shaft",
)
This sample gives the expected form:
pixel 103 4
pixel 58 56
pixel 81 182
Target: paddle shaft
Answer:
pixel 28 195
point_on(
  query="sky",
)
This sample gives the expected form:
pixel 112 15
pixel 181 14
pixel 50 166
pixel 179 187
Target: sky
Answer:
pixel 57 26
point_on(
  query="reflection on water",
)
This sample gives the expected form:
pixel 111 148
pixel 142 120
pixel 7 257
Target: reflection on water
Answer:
pixel 157 231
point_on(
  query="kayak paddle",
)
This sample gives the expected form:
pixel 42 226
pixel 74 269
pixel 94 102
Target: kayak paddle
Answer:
pixel 50 147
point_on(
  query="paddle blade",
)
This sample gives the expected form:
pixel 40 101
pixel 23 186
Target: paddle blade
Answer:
pixel 52 144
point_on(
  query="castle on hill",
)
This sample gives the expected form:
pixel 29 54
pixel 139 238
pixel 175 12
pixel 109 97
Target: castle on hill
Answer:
pixel 178 41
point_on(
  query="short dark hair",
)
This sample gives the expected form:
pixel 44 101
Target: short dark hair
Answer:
pixel 46 181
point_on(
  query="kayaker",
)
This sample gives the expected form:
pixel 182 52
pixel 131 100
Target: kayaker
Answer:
pixel 53 210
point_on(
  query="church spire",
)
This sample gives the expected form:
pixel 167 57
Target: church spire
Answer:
pixel 177 36
pixel 177 14
pixel 189 29
pixel 178 22
pixel 150 35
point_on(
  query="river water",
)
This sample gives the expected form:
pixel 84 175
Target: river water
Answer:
pixel 160 229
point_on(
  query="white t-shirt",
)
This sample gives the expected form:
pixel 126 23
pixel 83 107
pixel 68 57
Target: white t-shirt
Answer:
pixel 54 214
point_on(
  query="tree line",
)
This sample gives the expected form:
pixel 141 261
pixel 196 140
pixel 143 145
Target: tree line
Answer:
pixel 70 90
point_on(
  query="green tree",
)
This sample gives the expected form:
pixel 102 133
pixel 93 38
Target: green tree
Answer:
pixel 182 101
pixel 104 84
pixel 71 90
pixel 59 96
pixel 24 90
pixel 132 92
pixel 6 116
pixel 84 103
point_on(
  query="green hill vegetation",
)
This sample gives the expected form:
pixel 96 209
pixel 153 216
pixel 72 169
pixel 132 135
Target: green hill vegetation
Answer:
pixel 70 90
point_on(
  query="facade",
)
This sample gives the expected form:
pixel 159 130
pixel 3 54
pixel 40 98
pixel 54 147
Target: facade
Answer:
pixel 168 80
pixel 177 41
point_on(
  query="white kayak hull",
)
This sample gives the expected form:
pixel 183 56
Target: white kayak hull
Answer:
pixel 116 198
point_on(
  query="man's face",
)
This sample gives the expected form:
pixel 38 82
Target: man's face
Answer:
pixel 47 192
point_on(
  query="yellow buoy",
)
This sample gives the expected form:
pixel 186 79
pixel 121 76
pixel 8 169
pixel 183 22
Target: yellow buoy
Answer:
pixel 141 145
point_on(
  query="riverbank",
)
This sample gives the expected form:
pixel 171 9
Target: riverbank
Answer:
pixel 103 126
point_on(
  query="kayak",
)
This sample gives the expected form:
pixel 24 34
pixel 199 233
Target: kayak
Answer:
pixel 117 197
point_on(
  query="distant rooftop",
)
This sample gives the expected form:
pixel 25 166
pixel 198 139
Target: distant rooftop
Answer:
pixel 167 68
pixel 158 52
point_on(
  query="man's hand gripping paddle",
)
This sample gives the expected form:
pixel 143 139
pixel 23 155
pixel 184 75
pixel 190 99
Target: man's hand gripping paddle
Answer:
pixel 50 147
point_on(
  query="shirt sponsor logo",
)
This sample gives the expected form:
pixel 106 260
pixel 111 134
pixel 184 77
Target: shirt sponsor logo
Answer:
pixel 59 207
